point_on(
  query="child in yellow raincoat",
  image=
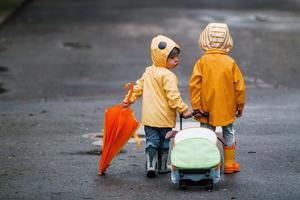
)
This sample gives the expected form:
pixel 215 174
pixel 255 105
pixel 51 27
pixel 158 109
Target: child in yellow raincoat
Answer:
pixel 161 101
pixel 217 87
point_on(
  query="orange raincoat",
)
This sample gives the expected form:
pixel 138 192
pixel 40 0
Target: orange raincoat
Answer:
pixel 216 84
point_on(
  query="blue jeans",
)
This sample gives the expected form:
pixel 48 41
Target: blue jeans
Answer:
pixel 227 131
pixel 155 137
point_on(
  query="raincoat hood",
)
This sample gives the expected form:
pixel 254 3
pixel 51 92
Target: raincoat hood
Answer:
pixel 216 36
pixel 161 46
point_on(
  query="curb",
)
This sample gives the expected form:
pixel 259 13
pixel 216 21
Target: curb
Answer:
pixel 13 12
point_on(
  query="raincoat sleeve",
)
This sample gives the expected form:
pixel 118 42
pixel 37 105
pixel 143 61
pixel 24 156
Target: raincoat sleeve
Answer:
pixel 170 85
pixel 195 86
pixel 137 90
pixel 239 87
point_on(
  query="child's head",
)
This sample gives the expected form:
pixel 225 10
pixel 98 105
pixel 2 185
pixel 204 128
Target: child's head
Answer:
pixel 216 36
pixel 173 58
pixel 164 52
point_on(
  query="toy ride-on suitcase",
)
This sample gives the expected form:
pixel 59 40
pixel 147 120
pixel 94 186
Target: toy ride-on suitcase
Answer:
pixel 196 157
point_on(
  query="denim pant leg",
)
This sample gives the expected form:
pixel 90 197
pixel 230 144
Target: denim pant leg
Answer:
pixel 164 143
pixel 152 137
pixel 228 134
pixel 213 128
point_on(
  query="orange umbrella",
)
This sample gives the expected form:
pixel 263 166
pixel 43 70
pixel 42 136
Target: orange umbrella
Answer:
pixel 119 126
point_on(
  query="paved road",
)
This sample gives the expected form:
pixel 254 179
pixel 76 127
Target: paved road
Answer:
pixel 62 64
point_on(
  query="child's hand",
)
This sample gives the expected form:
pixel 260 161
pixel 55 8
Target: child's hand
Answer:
pixel 171 134
pixel 187 114
pixel 239 113
pixel 198 113
pixel 125 104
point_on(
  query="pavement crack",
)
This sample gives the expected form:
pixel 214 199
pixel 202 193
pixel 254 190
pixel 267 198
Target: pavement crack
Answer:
pixel 77 45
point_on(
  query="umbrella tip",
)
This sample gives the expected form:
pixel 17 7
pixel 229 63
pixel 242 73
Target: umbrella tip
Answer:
pixel 101 173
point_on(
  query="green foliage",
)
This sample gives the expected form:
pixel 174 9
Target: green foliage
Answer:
pixel 6 5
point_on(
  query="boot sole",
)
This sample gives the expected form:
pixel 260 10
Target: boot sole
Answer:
pixel 151 174
pixel 230 171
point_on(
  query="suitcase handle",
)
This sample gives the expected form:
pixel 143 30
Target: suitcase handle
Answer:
pixel 205 114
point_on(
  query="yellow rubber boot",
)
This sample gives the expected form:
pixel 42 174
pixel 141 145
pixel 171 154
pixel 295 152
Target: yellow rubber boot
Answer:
pixel 230 165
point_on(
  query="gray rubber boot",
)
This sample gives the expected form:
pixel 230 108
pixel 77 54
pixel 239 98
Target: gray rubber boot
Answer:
pixel 163 161
pixel 151 163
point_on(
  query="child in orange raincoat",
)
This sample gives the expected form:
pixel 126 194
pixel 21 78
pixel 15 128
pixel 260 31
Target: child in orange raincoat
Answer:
pixel 161 101
pixel 217 87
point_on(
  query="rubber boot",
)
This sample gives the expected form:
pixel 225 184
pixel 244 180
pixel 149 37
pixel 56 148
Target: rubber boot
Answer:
pixel 230 165
pixel 163 161
pixel 151 163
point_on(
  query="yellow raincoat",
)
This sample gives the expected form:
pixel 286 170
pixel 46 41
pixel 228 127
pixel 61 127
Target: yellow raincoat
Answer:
pixel 159 88
pixel 216 84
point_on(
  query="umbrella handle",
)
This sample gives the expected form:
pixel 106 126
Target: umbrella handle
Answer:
pixel 129 84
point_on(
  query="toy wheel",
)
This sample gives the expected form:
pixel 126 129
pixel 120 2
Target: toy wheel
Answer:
pixel 182 185
pixel 222 163
pixel 210 186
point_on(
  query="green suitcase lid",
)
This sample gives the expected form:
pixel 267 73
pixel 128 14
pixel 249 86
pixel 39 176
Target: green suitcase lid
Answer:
pixel 195 153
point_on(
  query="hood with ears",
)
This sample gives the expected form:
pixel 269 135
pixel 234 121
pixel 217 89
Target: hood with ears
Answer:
pixel 161 46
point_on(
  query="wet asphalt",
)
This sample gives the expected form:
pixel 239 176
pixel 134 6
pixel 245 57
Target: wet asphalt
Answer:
pixel 63 62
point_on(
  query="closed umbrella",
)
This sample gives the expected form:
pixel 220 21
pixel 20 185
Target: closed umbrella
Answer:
pixel 119 126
